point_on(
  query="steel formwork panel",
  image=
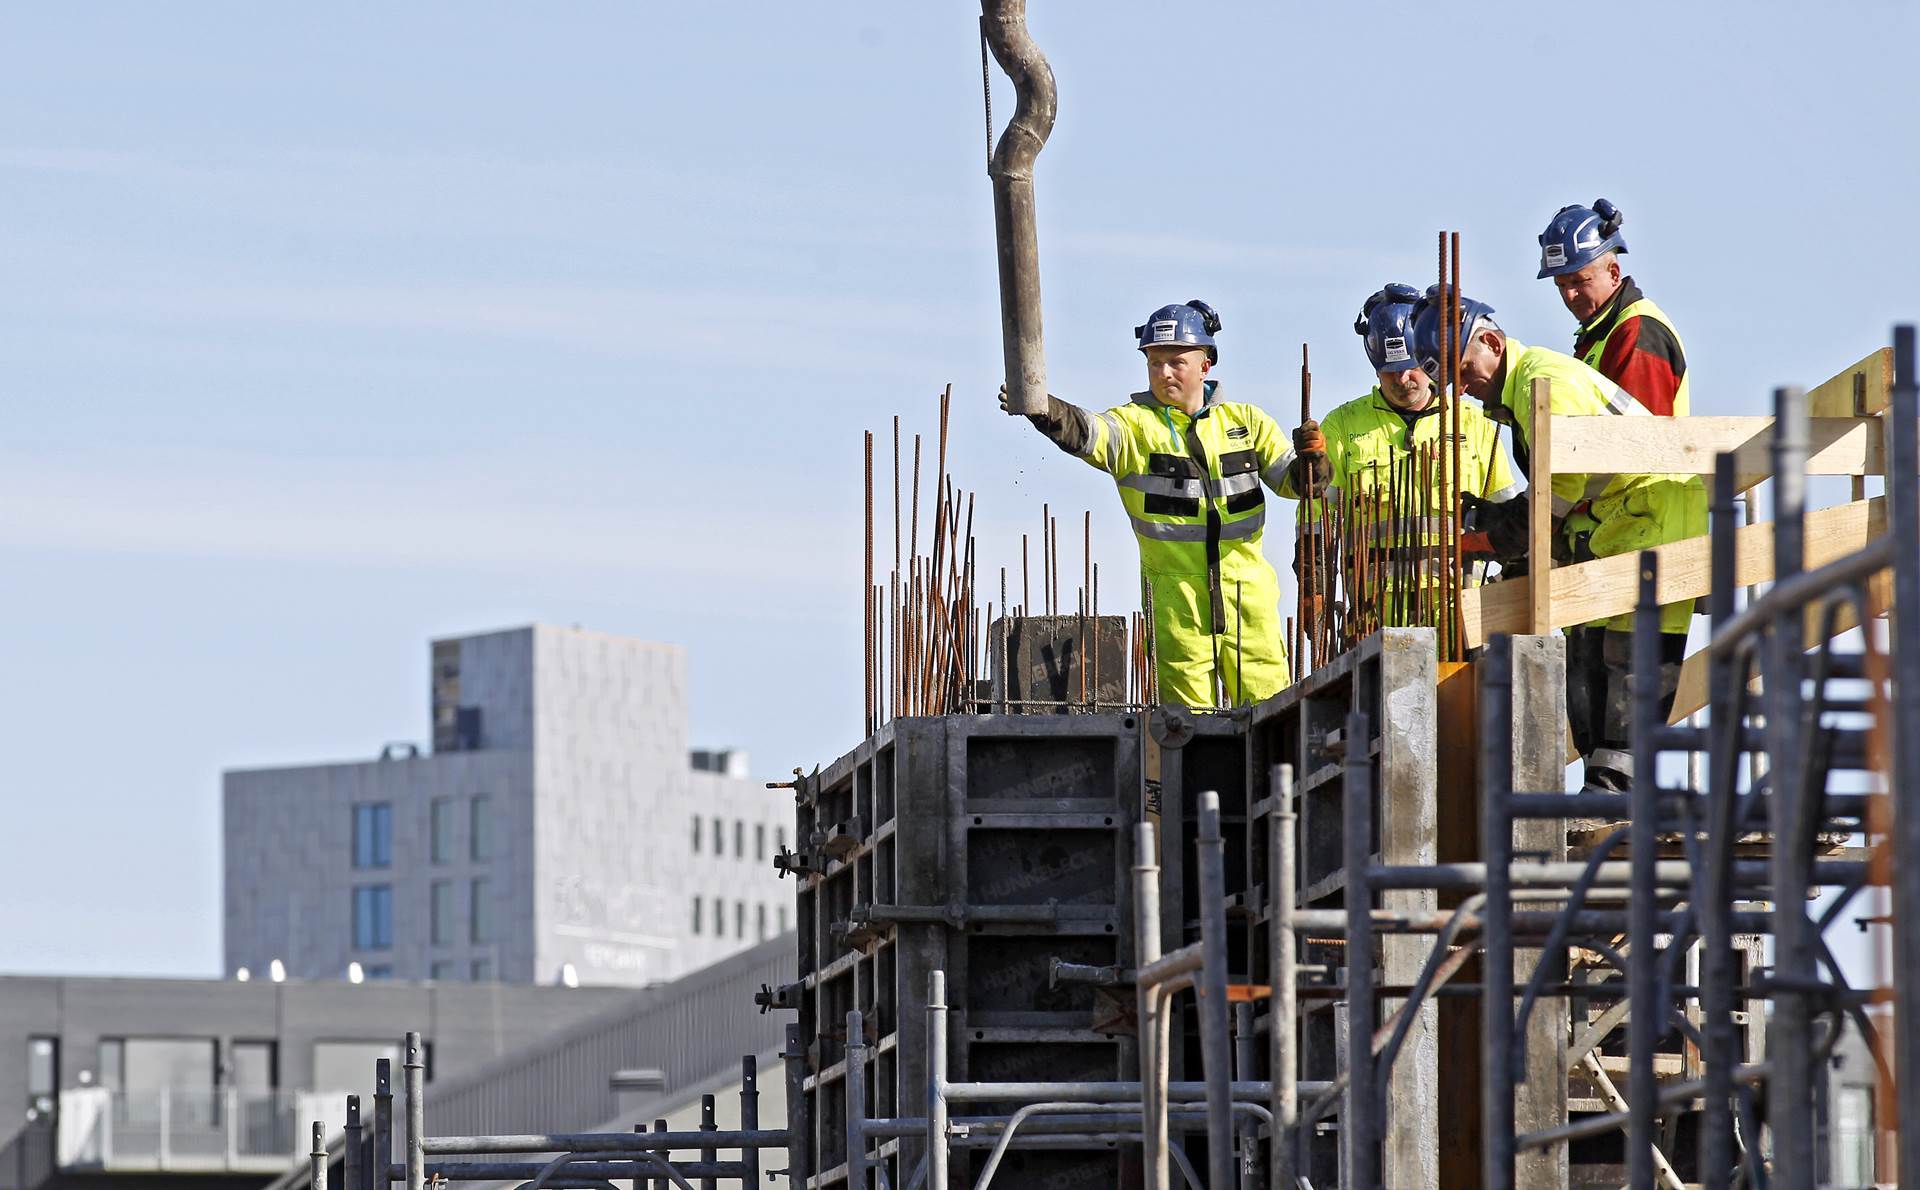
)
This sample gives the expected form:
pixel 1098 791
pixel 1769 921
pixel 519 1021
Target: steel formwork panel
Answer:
pixel 990 847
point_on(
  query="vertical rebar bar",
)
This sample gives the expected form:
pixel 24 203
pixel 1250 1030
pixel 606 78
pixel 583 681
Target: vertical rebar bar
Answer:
pixel 415 1073
pixel 1497 1072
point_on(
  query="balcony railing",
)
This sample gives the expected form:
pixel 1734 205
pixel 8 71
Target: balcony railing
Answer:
pixel 182 1128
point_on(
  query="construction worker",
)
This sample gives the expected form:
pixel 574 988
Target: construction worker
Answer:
pixel 1189 466
pixel 1363 443
pixel 1631 512
pixel 1632 342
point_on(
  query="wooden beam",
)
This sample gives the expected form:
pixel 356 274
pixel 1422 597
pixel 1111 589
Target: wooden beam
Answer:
pixel 1611 586
pixel 1689 445
pixel 1835 397
pixel 1692 692
pixel 1540 510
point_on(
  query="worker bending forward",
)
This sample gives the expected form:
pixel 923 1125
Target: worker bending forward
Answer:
pixel 1630 341
pixel 1189 466
pixel 1365 442
pixel 1631 512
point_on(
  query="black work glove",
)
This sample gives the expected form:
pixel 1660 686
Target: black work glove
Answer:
pixel 1504 525
pixel 1311 471
pixel 1061 422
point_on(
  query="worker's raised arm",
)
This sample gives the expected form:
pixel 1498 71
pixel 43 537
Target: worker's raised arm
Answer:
pixel 1092 437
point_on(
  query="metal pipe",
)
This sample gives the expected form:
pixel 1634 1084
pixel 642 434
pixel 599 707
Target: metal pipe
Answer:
pixel 1646 1018
pixel 665 1155
pixel 1360 1119
pixel 624 1143
pixel 937 1079
pixel 382 1160
pixel 1216 1041
pixel 1789 1032
pixel 1284 1009
pixel 1671 874
pixel 1243 1045
pixel 799 1125
pixel 1719 964
pixel 351 1162
pixel 1903 528
pixel 856 1093
pixel 1004 22
pixel 1498 1073
pixel 415 1074
pixel 750 1114
pixel 1115 1091
pixel 1146 937
pixel 318 1173
pixel 710 1152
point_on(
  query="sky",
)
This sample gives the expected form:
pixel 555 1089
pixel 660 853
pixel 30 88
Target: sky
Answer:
pixel 327 330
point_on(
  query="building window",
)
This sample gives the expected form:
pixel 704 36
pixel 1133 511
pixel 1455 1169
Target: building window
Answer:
pixel 482 970
pixel 441 833
pixel 719 918
pixel 719 838
pixel 480 910
pixel 759 841
pixel 760 922
pixel 445 970
pixel 739 839
pixel 739 919
pixel 782 914
pixel 480 834
pixel 696 915
pixel 256 1066
pixel 696 834
pixel 779 838
pixel 373 917
pixel 373 835
pixel 441 912
pixel 379 971
pixel 43 1073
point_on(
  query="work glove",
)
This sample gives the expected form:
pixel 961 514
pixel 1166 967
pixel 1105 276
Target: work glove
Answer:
pixel 1494 531
pixel 1062 422
pixel 1311 471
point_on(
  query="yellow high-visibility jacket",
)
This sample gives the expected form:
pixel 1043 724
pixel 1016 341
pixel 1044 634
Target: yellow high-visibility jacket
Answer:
pixel 1192 489
pixel 1631 512
pixel 1367 438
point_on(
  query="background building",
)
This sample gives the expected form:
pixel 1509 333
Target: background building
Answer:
pixel 559 830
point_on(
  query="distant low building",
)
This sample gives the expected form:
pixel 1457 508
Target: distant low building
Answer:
pixel 560 830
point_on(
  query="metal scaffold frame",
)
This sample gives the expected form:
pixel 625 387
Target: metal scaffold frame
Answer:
pixel 1351 945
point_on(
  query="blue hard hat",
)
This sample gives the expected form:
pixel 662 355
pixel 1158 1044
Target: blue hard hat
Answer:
pixel 1578 236
pixel 1386 323
pixel 1187 324
pixel 1428 332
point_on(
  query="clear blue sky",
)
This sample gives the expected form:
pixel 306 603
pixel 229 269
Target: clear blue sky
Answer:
pixel 327 330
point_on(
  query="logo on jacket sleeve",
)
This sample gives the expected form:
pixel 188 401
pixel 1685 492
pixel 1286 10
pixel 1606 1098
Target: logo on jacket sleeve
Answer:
pixel 1237 432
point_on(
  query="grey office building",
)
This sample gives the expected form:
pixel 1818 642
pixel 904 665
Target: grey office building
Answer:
pixel 559 829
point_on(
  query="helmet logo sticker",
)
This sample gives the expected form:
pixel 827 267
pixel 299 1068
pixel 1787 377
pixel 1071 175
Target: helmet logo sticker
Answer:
pixel 1396 350
pixel 1166 331
pixel 1556 255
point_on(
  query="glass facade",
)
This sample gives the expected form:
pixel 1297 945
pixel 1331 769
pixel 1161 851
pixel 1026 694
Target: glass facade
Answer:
pixel 373 835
